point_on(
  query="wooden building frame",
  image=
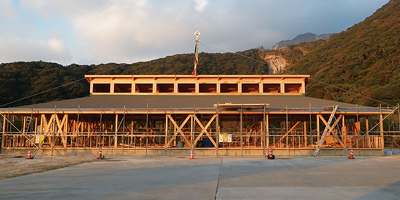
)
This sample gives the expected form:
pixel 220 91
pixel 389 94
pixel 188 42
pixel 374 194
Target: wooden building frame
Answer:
pixel 219 129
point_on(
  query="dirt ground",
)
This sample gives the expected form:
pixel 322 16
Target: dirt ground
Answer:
pixel 12 166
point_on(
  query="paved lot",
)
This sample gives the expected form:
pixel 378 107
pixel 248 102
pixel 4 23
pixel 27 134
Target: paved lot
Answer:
pixel 214 178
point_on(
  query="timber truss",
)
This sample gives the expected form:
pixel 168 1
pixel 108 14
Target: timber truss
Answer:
pixel 242 128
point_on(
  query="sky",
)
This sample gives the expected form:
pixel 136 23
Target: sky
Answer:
pixel 129 31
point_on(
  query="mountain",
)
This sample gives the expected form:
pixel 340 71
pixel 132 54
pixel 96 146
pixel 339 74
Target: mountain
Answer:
pixel 364 59
pixel 306 37
pixel 278 60
pixel 24 83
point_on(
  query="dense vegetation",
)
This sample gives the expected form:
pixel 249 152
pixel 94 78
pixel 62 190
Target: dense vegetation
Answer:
pixel 364 59
pixel 24 83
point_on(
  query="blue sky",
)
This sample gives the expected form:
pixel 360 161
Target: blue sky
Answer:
pixel 127 31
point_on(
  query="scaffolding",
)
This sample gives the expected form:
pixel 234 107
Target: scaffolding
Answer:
pixel 220 130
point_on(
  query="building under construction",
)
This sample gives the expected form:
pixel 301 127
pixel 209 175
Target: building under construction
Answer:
pixel 215 115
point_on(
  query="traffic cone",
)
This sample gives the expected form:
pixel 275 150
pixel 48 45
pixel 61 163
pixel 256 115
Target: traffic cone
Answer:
pixel 100 156
pixel 191 154
pixel 351 154
pixel 29 155
pixel 270 156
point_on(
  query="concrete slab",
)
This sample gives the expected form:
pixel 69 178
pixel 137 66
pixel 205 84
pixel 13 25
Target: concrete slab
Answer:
pixel 214 178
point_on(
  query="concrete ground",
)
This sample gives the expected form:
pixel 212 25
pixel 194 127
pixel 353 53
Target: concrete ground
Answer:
pixel 214 178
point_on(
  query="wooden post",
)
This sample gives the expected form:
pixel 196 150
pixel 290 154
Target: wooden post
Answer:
pixel 318 116
pixel 217 131
pixel 76 130
pixel 262 125
pixel 36 131
pixel 312 140
pixel 367 129
pixel 166 132
pixel 267 128
pixel 4 130
pixel 147 126
pixel 382 143
pixel 63 130
pixel 116 132
pixel 100 127
pixel 344 131
pixel 305 133
pixel 23 125
pixel 123 132
pixel 241 130
pixel 192 125
pixel 287 129
pixel 41 130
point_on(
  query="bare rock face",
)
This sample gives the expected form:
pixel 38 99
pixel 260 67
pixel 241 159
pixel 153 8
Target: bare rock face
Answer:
pixel 276 63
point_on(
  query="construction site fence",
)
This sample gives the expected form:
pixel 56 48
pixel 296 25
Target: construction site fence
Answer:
pixel 224 140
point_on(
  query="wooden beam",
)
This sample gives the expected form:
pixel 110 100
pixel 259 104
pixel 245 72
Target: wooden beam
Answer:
pixel 179 129
pixel 332 127
pixel 290 130
pixel 204 130
pixel 62 128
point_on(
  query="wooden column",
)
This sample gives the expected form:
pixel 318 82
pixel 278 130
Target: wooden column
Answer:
pixel 36 123
pixel 262 131
pixel 267 128
pixel 381 129
pixel 217 131
pixel 241 130
pixel 4 130
pixel 344 131
pixel 318 116
pixel 23 125
pixel 367 129
pixel 116 132
pixel 166 132
pixel 305 133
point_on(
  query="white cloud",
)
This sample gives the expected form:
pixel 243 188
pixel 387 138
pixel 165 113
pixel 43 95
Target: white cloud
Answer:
pixel 20 49
pixel 56 45
pixel 7 11
pixel 201 5
pixel 102 31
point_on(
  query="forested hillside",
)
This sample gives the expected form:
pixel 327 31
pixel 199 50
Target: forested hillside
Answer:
pixel 38 82
pixel 364 59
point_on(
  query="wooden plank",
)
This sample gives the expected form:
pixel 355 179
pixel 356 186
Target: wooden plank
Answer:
pixel 326 130
pixel 204 130
pixel 335 135
pixel 290 130
pixel 179 129
pixel 245 105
